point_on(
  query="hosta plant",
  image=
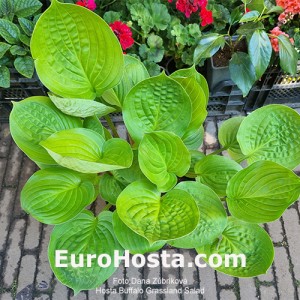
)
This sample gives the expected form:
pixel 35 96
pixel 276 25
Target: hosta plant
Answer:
pixel 158 187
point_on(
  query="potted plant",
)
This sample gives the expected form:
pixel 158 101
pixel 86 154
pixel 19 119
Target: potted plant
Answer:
pixel 159 188
pixel 249 23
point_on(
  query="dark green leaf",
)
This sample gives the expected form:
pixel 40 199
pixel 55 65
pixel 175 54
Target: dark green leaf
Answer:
pixel 26 25
pixel 9 31
pixel 4 77
pixel 288 55
pixel 18 50
pixel 26 8
pixel 25 66
pixel 3 48
pixel 250 16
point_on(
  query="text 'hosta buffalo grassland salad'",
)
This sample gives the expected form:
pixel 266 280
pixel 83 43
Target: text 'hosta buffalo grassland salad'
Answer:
pixel 163 189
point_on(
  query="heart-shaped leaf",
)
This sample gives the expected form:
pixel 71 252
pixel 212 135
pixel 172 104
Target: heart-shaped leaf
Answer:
pixel 193 139
pixel 142 209
pixel 213 218
pixel 240 238
pixel 86 151
pixel 215 171
pixel 157 103
pixel 261 192
pixel 34 120
pixel 271 133
pixel 81 107
pixel 134 72
pixel 132 241
pixel 56 195
pixel 228 137
pixel 84 235
pixel 162 156
pixel 62 51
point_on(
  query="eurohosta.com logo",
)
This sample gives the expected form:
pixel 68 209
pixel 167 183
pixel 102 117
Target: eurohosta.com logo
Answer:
pixel 64 259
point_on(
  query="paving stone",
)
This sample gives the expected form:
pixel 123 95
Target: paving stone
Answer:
pixel 225 279
pixel 247 288
pixel 134 273
pixel 27 271
pixel 5 140
pixel 275 231
pixel 13 166
pixel 96 294
pixel 228 295
pixel 3 162
pixel 268 276
pixel 122 131
pixel 32 233
pixel 26 293
pixel 44 297
pixel 208 282
pixel 6 296
pixel 190 274
pixel 44 274
pixel 210 135
pixel 284 278
pixel 13 253
pixel 80 296
pixel 268 293
pixel 119 274
pixel 60 291
pixel 292 228
pixel 6 206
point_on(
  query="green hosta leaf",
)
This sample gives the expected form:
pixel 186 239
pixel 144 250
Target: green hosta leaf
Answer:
pixel 94 124
pixel 209 45
pixel 287 54
pixel 134 72
pixel 198 100
pixel 162 156
pixel 242 72
pixel 9 31
pixel 195 157
pixel 142 209
pixel 250 16
pixel 132 241
pixel 56 195
pixel 18 50
pixel 242 238
pixel 215 171
pixel 3 48
pixel 199 77
pixel 70 62
pixel 81 107
pixel 271 133
pixel 260 51
pixel 212 221
pixel 110 188
pixel 25 66
pixel 228 137
pixel 193 139
pixel 86 151
pixel 4 77
pixel 34 120
pixel 26 25
pixel 157 103
pixel 26 8
pixel 84 235
pixel 262 192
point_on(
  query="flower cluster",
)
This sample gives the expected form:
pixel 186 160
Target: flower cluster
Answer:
pixel 191 6
pixel 291 8
pixel 90 4
pixel 123 33
pixel 274 41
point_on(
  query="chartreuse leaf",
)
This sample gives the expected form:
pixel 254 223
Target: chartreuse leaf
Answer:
pixel 260 51
pixel 287 54
pixel 242 238
pixel 227 136
pixel 94 124
pixel 162 156
pixel 157 103
pixel 86 151
pixel 193 139
pixel 189 72
pixel 198 100
pixel 195 157
pixel 110 188
pixel 34 120
pixel 132 241
pixel 81 107
pixel 261 192
pixel 56 195
pixel 84 235
pixel 26 8
pixel 242 72
pixel 62 51
pixel 213 218
pixel 142 209
pixel 215 171
pixel 271 133
pixel 134 72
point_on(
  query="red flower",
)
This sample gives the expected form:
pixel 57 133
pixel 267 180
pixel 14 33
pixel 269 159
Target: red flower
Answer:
pixel 247 10
pixel 206 15
pixel 124 34
pixel 90 4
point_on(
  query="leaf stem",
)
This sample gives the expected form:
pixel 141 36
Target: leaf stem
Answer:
pixel 107 207
pixel 218 151
pixel 111 126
